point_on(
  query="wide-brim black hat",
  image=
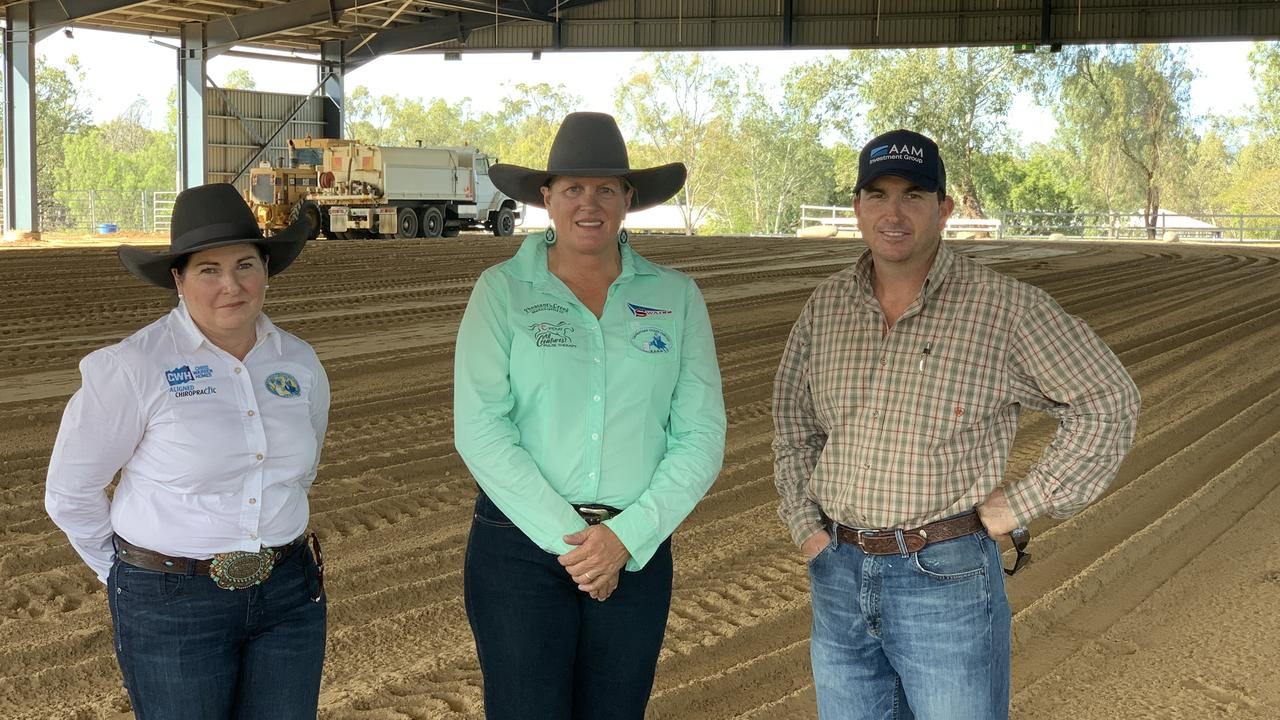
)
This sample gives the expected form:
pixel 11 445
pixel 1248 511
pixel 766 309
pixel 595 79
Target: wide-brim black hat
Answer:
pixel 207 217
pixel 589 144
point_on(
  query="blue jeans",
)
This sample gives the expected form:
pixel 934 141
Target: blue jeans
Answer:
pixel 547 650
pixel 921 636
pixel 189 650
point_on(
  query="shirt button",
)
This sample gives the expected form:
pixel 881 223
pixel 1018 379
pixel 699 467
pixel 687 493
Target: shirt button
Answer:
pixel 596 398
pixel 250 413
pixel 596 359
pixel 875 414
pixel 253 536
pixel 595 436
pixel 258 456
pixel 237 371
pixel 883 362
pixel 866 466
pixel 253 501
pixel 591 475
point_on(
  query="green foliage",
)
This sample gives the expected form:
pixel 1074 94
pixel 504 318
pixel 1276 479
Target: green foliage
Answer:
pixel 776 161
pixel 240 79
pixel 1264 68
pixel 61 109
pixel 681 110
pixel 521 132
pixel 960 97
pixel 1026 184
pixel 1122 113
pixel 1254 185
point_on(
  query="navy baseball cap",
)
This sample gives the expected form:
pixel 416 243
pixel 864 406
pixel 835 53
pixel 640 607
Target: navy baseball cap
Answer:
pixel 905 154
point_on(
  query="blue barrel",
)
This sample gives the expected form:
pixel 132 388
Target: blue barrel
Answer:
pixel 107 228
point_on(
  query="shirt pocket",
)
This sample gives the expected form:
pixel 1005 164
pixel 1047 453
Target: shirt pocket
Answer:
pixel 958 388
pixel 283 393
pixel 653 340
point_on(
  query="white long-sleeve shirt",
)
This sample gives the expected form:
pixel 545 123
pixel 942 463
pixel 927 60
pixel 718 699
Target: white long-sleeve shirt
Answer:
pixel 215 454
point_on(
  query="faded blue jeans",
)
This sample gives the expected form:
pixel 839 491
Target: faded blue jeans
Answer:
pixel 189 650
pixel 919 636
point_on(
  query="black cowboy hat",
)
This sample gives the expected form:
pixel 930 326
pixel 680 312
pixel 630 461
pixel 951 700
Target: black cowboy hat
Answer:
pixel 589 144
pixel 207 217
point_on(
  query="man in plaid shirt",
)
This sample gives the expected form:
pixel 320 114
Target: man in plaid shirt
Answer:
pixel 895 405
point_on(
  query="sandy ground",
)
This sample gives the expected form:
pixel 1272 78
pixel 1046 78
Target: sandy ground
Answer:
pixel 1159 601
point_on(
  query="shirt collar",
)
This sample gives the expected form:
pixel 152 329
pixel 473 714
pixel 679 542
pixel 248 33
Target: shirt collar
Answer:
pixel 189 338
pixel 530 262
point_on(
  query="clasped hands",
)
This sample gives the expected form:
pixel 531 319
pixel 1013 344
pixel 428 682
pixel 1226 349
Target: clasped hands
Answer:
pixel 596 561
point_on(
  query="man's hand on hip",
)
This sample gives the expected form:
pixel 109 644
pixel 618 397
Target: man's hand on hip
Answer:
pixel 996 516
pixel 815 543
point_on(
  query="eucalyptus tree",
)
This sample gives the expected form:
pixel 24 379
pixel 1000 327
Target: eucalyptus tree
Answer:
pixel 680 107
pixel 961 97
pixel 777 161
pixel 1124 110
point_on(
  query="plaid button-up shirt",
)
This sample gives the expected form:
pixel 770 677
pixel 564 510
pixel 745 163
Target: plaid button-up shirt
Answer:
pixel 898 428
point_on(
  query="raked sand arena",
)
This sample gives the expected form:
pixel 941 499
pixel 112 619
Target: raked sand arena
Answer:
pixel 1160 601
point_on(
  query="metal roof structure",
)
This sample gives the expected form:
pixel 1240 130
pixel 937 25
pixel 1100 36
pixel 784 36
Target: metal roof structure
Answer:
pixel 370 28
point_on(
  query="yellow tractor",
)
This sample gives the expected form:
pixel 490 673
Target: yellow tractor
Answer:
pixel 278 196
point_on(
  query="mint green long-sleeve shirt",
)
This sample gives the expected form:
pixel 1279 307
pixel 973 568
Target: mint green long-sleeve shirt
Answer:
pixel 553 406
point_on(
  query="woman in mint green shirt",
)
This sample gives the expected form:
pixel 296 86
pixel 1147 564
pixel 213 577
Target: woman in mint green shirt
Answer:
pixel 587 405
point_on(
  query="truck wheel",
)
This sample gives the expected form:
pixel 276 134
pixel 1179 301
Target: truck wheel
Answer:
pixel 406 223
pixel 432 222
pixel 311 211
pixel 504 223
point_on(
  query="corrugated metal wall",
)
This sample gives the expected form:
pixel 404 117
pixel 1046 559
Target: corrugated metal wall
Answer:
pixel 231 142
pixel 758 24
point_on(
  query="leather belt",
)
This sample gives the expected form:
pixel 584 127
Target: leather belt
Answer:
pixel 595 514
pixel 151 560
pixel 885 542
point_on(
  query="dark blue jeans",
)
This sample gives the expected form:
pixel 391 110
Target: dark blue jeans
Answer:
pixel 915 636
pixel 189 650
pixel 547 650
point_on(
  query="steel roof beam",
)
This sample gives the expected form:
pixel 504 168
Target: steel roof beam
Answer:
pixel 60 12
pixel 248 26
pixel 420 35
pixel 492 9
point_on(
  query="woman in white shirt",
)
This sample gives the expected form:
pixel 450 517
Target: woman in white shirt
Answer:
pixel 214 418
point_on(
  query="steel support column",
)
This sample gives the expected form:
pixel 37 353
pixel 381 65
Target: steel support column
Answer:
pixel 192 55
pixel 20 209
pixel 331 74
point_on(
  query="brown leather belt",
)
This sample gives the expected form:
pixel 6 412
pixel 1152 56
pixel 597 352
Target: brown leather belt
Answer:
pixel 151 560
pixel 885 542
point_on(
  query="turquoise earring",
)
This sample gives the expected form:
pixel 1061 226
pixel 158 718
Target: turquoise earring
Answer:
pixel 623 237
pixel 549 237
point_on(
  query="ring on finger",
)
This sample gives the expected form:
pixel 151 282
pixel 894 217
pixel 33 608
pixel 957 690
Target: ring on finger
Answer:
pixel 588 574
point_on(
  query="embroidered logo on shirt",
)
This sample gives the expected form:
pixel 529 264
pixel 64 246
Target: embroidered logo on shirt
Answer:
pixel 180 375
pixel 546 307
pixel 651 340
pixel 642 311
pixel 547 334
pixel 180 381
pixel 283 384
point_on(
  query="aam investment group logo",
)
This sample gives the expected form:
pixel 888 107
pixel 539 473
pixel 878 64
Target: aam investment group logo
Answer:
pixel 897 152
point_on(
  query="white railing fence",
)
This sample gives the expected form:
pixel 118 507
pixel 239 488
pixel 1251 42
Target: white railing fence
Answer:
pixel 842 220
pixel 1080 226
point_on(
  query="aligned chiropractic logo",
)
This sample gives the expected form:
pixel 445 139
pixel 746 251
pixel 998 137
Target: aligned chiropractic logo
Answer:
pixel 897 152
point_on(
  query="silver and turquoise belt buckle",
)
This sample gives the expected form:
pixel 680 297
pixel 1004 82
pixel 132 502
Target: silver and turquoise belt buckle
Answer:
pixel 239 570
